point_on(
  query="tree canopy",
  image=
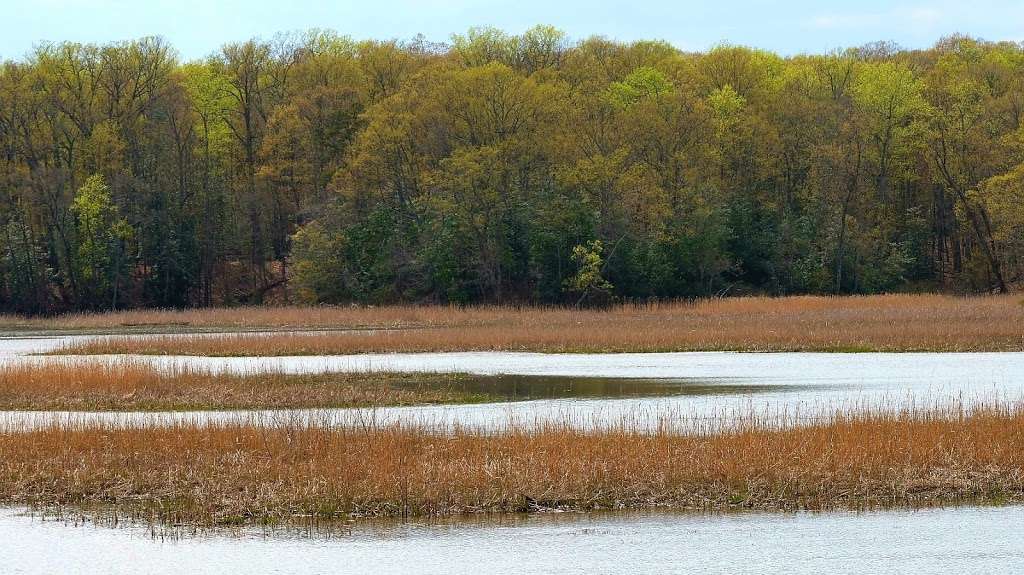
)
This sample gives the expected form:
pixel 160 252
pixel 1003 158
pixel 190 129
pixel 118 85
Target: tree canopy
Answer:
pixel 504 168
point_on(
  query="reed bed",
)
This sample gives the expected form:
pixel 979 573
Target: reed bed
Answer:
pixel 188 474
pixel 846 324
pixel 885 322
pixel 274 317
pixel 132 386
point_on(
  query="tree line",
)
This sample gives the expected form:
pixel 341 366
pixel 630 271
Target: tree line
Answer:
pixel 504 168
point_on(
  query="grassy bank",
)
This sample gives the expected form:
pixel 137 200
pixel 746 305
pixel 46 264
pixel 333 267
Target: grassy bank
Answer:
pixel 130 386
pixel 845 324
pixel 217 474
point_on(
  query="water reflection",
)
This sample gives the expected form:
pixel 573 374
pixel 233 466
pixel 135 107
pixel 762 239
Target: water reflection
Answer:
pixel 537 387
pixel 959 540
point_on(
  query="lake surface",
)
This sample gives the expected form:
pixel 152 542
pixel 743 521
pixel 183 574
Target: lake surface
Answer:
pixel 586 390
pixel 592 390
pixel 955 541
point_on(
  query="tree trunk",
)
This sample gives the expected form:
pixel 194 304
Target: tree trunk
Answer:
pixel 982 228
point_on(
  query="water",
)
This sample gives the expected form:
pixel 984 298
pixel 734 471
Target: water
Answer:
pixel 45 342
pixel 591 390
pixel 754 368
pixel 757 368
pixel 535 387
pixel 960 541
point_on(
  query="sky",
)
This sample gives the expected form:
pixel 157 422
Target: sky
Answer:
pixel 197 28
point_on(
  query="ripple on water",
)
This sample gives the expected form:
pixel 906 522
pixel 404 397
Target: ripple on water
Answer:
pixel 959 540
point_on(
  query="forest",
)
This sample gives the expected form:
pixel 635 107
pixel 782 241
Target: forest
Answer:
pixel 509 169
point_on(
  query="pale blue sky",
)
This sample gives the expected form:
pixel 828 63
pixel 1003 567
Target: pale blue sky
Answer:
pixel 198 27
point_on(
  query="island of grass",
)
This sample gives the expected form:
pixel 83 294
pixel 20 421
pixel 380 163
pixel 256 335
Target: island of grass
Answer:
pixel 133 386
pixel 832 324
pixel 216 474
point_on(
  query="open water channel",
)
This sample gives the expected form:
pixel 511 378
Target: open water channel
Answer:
pixel 589 390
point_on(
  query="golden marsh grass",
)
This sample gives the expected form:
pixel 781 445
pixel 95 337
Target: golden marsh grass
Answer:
pixel 206 474
pixel 131 386
pixel 873 323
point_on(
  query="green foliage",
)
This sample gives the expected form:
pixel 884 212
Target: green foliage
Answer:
pixel 536 49
pixel 894 109
pixel 25 272
pixel 318 261
pixel 644 82
pixel 587 282
pixel 504 168
pixel 1004 197
pixel 210 99
pixel 103 236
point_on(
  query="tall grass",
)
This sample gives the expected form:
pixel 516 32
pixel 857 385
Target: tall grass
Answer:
pixel 904 305
pixel 215 474
pixel 133 386
pixel 876 323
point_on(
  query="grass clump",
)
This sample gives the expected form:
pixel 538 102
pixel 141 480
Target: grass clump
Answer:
pixel 209 474
pixel 133 386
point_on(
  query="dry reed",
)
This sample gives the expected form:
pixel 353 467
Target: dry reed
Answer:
pixel 230 473
pixel 875 323
pixel 131 386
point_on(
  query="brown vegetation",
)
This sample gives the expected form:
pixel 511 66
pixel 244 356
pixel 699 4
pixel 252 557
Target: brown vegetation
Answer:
pixel 131 386
pixel 873 323
pixel 215 474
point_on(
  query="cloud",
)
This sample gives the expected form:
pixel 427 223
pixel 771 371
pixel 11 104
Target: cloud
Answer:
pixel 927 16
pixel 915 17
pixel 843 21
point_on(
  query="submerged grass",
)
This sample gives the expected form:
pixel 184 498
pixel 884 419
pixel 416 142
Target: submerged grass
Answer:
pixel 842 324
pixel 209 474
pixel 132 386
